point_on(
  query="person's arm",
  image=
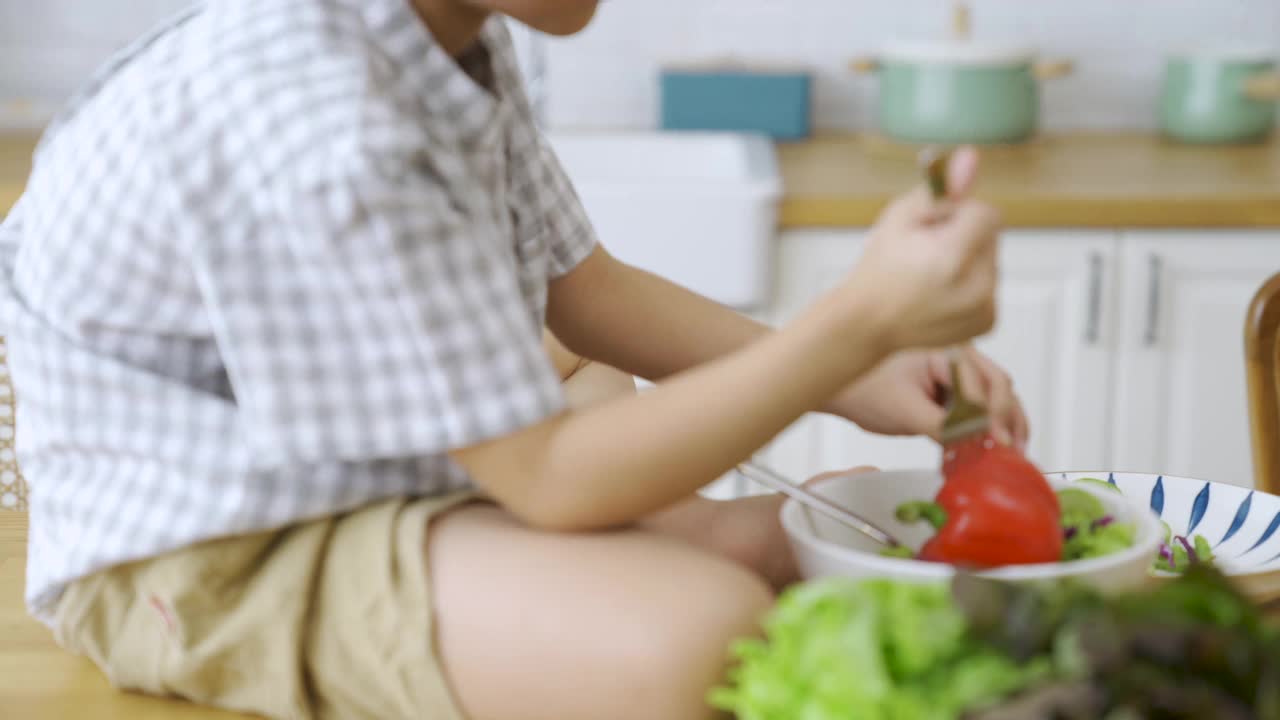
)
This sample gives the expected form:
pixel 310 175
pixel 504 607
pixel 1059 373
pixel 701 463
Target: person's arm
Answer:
pixel 565 361
pixel 619 461
pixel 678 329
pixel 651 327
pixel 918 284
pixel 585 381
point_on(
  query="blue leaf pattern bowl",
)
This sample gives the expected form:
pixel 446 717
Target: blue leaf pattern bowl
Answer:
pixel 1242 525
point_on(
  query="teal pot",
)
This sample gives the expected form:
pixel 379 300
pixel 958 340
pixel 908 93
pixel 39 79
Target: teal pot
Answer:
pixel 1220 97
pixel 960 92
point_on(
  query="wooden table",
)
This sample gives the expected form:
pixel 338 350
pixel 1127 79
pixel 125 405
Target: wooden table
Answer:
pixel 39 680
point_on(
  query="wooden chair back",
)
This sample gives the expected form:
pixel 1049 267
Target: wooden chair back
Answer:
pixel 13 489
pixel 1262 359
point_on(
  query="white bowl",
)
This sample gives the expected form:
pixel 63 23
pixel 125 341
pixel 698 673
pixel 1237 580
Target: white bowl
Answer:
pixel 1240 523
pixel 826 548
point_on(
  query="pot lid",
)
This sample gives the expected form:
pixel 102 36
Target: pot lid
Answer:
pixel 959 53
pixel 1228 52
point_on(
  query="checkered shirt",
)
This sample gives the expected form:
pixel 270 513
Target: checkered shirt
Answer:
pixel 271 263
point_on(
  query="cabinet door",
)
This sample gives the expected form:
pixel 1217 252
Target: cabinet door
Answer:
pixel 808 263
pixel 1180 393
pixel 1053 333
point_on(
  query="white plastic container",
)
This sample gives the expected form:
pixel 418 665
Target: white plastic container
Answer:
pixel 699 209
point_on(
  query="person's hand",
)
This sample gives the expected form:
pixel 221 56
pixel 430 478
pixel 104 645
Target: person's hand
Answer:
pixel 928 272
pixel 904 396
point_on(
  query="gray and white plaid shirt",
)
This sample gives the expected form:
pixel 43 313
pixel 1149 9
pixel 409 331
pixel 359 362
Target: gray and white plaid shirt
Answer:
pixel 271 263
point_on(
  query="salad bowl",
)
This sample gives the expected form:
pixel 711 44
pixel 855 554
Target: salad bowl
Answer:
pixel 825 548
pixel 1241 525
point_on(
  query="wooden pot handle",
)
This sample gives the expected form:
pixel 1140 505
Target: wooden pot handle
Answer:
pixel 961 21
pixel 1052 69
pixel 1263 86
pixel 864 65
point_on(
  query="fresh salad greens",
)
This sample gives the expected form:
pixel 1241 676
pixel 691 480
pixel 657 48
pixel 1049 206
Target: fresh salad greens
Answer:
pixel 1177 552
pixel 876 650
pixel 1087 530
pixel 981 650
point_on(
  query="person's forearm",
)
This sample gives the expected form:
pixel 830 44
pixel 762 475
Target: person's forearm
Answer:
pixel 620 461
pixel 646 325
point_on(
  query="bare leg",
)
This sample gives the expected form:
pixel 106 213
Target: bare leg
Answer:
pixel 623 625
pixel 747 531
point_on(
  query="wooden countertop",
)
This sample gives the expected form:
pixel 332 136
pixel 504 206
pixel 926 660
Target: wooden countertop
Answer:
pixel 1077 180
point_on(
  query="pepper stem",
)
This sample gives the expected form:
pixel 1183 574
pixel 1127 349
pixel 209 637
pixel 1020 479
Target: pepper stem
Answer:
pixel 914 512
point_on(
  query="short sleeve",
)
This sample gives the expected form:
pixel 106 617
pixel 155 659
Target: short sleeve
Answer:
pixel 365 317
pixel 543 185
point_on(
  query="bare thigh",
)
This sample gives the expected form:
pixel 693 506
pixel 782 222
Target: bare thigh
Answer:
pixel 621 625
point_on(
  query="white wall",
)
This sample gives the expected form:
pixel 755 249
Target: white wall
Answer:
pixel 606 77
pixel 47 47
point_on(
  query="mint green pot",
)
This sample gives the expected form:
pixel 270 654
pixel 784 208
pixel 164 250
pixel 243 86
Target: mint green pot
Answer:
pixel 1218 100
pixel 937 103
pixel 953 93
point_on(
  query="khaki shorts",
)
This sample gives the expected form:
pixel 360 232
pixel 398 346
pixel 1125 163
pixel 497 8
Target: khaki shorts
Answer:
pixel 327 619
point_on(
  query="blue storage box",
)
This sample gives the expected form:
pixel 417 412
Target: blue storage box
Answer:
pixel 773 103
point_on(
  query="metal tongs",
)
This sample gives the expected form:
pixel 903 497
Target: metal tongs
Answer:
pixel 771 479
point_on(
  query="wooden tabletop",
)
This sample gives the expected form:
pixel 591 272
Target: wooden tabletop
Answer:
pixel 41 681
pixel 1078 180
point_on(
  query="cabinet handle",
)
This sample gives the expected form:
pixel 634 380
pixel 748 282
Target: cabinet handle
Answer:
pixel 1093 313
pixel 1155 268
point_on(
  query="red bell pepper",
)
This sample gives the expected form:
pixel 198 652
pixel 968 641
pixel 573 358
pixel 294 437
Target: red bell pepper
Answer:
pixel 1000 510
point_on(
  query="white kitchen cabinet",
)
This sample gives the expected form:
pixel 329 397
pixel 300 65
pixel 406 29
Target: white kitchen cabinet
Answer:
pixel 1056 319
pixel 811 262
pixel 1180 380
pixel 1126 348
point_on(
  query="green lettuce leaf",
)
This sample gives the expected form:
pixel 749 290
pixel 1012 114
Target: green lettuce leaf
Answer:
pixel 872 650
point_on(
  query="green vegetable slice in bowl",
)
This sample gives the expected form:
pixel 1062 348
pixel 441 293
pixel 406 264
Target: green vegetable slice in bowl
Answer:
pixel 1098 541
pixel 1178 552
pixel 1098 481
pixel 1088 530
pixel 1079 508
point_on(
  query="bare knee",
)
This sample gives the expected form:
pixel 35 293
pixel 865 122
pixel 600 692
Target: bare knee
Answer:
pixel 684 652
pixel 628 625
